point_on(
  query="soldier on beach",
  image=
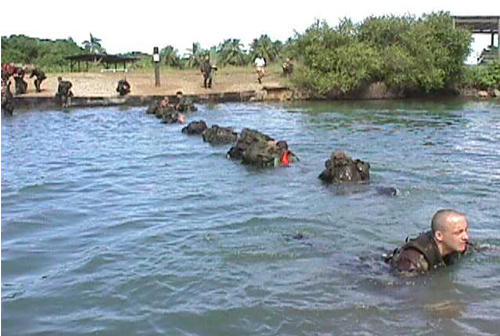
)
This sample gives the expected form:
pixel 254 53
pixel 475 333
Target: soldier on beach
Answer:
pixel 21 85
pixel 7 71
pixel 287 67
pixel 40 77
pixel 447 240
pixel 206 70
pixel 64 93
pixel 260 64
pixel 123 87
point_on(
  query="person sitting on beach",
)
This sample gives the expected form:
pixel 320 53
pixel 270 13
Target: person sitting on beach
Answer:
pixel 64 93
pixel 447 240
pixel 123 87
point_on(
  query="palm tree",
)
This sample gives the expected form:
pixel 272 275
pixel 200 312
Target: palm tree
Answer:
pixel 93 46
pixel 170 56
pixel 195 55
pixel 264 46
pixel 230 52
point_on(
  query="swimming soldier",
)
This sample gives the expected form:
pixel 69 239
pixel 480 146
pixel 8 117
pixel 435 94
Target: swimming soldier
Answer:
pixel 447 240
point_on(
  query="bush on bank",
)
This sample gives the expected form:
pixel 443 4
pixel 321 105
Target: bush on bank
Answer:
pixel 412 55
pixel 482 77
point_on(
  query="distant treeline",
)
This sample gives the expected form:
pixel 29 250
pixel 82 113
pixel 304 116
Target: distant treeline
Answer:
pixel 409 54
pixel 48 54
pixel 51 54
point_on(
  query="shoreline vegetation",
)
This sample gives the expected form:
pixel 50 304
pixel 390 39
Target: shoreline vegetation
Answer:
pixel 378 58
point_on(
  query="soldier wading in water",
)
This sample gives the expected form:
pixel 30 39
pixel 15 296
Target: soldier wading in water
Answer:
pixel 441 246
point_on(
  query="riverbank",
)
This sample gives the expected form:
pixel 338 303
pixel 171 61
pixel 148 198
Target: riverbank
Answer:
pixel 99 88
pixel 230 84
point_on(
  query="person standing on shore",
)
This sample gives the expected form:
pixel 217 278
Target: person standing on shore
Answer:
pixel 287 67
pixel 21 85
pixel 260 64
pixel 206 70
pixel 40 77
pixel 7 99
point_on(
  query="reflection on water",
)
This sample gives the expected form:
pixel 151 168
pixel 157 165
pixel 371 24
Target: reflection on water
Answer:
pixel 116 224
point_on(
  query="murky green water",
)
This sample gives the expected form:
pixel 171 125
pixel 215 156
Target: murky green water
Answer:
pixel 116 224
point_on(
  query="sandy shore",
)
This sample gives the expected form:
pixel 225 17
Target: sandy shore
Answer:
pixel 97 84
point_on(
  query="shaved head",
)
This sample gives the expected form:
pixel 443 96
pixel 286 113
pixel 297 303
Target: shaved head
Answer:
pixel 441 218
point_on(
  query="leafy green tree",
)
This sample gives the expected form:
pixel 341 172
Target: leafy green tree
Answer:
pixel 412 55
pixel 93 45
pixel 49 54
pixel 170 55
pixel 230 52
pixel 264 46
pixel 482 77
pixel 19 49
pixel 195 55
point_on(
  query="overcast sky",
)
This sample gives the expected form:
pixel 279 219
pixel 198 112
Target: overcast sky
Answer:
pixel 140 25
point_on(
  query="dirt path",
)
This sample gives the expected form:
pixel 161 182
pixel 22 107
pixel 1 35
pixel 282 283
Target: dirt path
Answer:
pixel 190 82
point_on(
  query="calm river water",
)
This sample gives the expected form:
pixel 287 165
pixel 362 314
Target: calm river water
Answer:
pixel 116 224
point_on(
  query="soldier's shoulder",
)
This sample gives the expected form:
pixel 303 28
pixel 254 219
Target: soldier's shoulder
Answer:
pixel 410 260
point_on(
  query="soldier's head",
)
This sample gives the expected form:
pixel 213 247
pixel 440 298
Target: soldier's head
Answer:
pixel 450 230
pixel 164 101
pixel 282 144
pixel 178 93
pixel 59 79
pixel 340 158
